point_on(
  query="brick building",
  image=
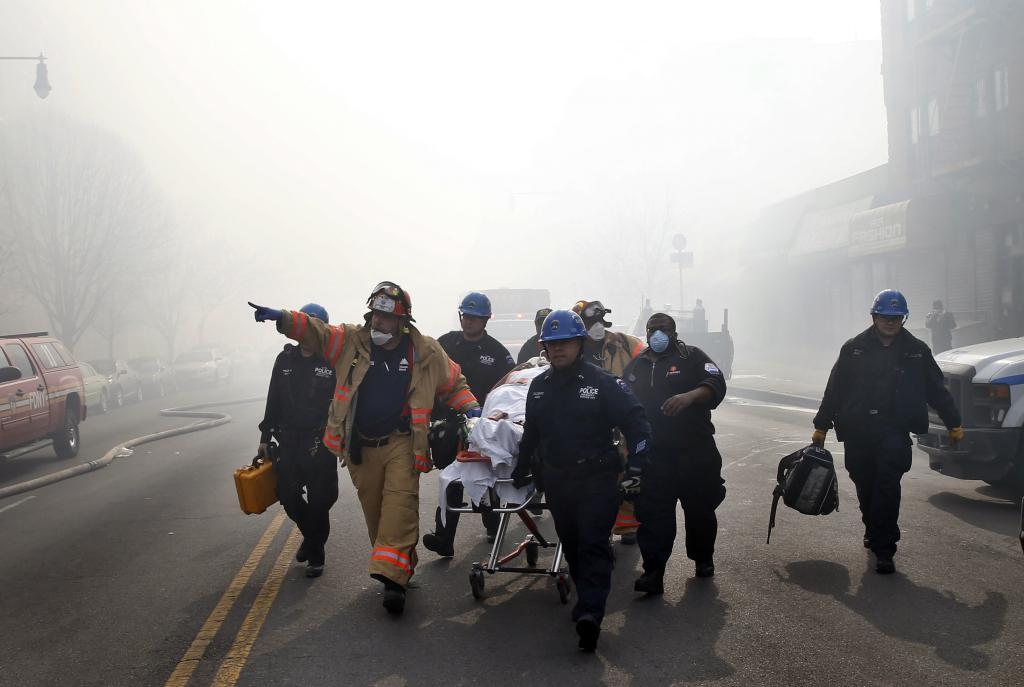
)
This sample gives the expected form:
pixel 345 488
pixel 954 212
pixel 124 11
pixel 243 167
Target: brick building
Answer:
pixel 945 217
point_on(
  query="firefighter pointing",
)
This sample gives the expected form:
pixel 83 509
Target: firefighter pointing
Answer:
pixel 388 375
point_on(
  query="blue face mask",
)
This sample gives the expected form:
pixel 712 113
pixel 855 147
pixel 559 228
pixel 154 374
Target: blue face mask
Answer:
pixel 659 341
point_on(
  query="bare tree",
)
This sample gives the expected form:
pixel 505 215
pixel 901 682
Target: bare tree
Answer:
pixel 212 281
pixel 82 215
pixel 639 240
pixel 165 300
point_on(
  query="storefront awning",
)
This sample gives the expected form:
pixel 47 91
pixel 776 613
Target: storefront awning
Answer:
pixel 826 230
pixel 895 226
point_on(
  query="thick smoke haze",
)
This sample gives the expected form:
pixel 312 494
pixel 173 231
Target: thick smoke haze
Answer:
pixel 306 152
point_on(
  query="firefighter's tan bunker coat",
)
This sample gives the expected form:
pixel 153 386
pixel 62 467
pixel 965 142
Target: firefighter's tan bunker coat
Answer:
pixel 387 479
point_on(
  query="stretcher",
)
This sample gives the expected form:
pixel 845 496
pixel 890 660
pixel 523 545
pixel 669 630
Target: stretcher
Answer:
pixel 530 546
pixel 484 469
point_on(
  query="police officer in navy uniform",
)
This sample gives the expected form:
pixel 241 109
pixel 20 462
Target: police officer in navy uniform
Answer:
pixel 484 361
pixel 567 444
pixel 678 386
pixel 301 387
pixel 877 394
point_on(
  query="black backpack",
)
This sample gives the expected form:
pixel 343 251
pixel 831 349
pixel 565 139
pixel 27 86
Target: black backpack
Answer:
pixel 807 483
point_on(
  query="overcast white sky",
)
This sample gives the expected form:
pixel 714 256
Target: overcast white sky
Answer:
pixel 454 146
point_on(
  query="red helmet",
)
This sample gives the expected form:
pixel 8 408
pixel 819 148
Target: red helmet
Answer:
pixel 389 297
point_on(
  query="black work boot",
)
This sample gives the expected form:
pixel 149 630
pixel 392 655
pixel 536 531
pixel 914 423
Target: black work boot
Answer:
pixel 302 555
pixel 394 597
pixel 650 583
pixel 315 561
pixel 885 565
pixel 588 631
pixel 705 568
pixel 439 544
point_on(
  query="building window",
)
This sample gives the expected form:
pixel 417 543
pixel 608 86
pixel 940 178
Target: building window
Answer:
pixel 1002 88
pixel 911 9
pixel 933 117
pixel 980 98
pixel 915 125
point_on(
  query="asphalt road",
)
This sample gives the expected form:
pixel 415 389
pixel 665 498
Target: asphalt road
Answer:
pixel 112 577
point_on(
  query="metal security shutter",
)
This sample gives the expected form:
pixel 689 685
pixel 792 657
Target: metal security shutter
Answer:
pixel 960 291
pixel 985 270
pixel 921 276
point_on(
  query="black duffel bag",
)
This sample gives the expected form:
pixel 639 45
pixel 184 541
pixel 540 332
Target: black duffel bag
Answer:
pixel 807 483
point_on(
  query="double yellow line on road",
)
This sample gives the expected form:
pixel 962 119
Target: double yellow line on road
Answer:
pixel 231 667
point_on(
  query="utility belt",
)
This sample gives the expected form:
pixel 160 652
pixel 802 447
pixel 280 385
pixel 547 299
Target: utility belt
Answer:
pixel 605 462
pixel 361 441
pixel 364 441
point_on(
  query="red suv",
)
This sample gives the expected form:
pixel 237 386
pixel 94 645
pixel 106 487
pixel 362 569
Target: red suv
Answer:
pixel 42 396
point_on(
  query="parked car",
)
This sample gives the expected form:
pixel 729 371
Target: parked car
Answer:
pixel 125 381
pixel 97 388
pixel 42 395
pixel 202 366
pixel 244 359
pixel 157 378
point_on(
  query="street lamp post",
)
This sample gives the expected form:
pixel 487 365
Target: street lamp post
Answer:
pixel 42 85
pixel 683 258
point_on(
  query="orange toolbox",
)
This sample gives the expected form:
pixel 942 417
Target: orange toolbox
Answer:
pixel 256 485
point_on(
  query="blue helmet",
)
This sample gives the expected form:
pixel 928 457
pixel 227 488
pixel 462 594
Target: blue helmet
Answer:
pixel 315 310
pixel 560 325
pixel 475 304
pixel 890 303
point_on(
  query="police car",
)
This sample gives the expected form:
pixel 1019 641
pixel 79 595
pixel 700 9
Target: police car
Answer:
pixel 987 382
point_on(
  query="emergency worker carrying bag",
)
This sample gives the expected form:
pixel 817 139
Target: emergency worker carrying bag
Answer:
pixel 256 484
pixel 806 483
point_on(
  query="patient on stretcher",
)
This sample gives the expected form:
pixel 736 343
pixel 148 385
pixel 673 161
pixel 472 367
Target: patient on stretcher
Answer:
pixel 494 441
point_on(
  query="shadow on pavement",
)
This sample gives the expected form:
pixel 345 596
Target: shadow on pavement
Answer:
pixel 899 608
pixel 999 517
pixel 680 637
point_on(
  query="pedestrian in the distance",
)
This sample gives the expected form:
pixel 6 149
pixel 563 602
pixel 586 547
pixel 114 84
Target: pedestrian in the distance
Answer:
pixel 941 323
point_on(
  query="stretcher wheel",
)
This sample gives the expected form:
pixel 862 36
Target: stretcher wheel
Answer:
pixel 476 583
pixel 564 587
pixel 532 553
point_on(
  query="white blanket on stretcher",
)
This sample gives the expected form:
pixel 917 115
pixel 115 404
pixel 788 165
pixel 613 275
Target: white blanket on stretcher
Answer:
pixel 496 436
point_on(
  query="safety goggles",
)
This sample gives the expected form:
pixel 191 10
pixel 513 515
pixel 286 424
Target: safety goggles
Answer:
pixel 388 289
pixel 594 309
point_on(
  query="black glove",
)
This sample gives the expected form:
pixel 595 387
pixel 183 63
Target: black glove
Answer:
pixel 629 487
pixel 521 474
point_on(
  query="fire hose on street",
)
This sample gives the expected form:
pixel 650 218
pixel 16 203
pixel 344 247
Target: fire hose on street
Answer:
pixel 208 420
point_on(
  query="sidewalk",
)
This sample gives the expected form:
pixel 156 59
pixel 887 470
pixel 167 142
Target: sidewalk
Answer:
pixel 779 383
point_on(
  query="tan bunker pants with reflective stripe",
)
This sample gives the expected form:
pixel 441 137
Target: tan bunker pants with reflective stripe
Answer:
pixel 389 491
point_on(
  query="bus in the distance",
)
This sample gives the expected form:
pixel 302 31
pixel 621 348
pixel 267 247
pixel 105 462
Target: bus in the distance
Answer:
pixel 512 312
